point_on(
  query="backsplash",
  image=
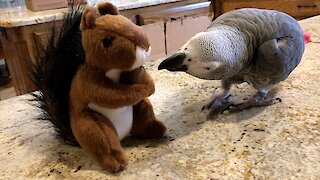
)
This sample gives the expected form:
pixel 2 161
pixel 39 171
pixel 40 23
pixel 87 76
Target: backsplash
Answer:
pixel 11 3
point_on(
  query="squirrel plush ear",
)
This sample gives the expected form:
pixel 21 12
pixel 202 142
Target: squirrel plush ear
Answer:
pixel 89 17
pixel 107 8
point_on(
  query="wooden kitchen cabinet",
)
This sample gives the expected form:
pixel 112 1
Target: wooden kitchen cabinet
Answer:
pixel 21 45
pixel 297 8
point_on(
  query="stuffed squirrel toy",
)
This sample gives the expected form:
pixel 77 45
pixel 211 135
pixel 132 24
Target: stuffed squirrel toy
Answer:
pixel 92 85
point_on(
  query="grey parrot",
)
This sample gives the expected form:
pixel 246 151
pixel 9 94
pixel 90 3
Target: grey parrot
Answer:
pixel 260 47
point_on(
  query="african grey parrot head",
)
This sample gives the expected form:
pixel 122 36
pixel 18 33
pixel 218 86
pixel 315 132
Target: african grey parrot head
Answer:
pixel 200 57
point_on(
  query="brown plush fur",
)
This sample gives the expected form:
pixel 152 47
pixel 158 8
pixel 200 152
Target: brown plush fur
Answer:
pixel 95 132
pixel 107 8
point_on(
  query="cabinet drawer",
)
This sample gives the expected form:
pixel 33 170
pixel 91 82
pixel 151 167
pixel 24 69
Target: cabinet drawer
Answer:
pixel 296 8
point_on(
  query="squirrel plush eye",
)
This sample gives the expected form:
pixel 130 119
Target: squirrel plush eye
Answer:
pixel 107 42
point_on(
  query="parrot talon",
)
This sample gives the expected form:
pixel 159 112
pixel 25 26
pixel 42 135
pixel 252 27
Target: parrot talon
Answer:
pixel 217 106
pixel 226 109
pixel 253 103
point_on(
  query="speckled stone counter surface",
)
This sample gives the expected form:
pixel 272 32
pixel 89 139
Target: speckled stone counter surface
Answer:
pixel 20 16
pixel 277 142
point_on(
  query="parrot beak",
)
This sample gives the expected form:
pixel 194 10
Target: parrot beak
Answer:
pixel 174 63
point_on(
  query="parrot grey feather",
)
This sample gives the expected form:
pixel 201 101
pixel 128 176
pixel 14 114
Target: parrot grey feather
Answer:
pixel 275 42
pixel 261 47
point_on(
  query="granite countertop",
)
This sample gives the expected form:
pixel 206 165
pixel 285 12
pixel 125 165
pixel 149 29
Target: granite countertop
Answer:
pixel 281 141
pixel 20 16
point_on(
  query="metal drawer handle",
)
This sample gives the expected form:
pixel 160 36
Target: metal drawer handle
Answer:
pixel 307 6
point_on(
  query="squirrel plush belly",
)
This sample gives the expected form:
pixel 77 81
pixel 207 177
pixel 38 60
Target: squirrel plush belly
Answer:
pixel 121 118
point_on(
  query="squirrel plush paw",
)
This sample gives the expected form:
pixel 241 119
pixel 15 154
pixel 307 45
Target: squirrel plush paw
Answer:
pixel 156 129
pixel 145 124
pixel 136 76
pixel 152 129
pixel 116 161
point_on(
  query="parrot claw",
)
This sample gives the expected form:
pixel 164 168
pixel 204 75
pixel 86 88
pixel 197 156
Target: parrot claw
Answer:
pixel 217 106
pixel 252 103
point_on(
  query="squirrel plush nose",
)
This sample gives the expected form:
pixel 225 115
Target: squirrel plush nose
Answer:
pixel 174 63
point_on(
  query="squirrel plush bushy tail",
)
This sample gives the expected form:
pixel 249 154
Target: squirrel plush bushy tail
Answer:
pixel 55 66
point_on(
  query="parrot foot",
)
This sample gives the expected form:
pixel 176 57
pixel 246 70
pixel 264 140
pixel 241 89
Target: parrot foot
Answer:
pixel 253 103
pixel 217 106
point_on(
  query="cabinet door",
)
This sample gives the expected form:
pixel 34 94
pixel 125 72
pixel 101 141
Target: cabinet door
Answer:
pixel 189 19
pixel 21 45
pixel 178 32
pixel 155 34
pixel 1 51
pixel 17 58
pixel 36 36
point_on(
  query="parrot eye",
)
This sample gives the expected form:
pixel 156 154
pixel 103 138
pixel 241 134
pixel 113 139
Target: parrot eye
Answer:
pixel 189 60
pixel 107 42
pixel 185 48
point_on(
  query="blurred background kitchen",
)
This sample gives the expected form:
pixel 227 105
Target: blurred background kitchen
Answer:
pixel 168 24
